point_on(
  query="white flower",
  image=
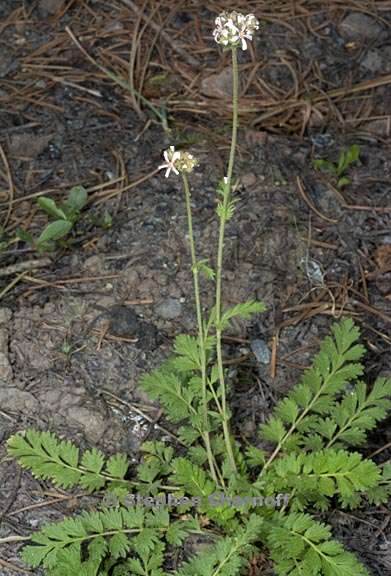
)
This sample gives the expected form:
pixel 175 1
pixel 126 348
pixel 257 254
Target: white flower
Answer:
pixel 233 29
pixel 171 156
pixel 178 161
pixel 242 35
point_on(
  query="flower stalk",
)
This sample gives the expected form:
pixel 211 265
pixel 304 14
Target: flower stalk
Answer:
pixel 220 253
pixel 233 30
pixel 201 332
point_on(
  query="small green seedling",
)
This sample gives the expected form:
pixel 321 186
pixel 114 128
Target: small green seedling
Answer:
pixel 106 220
pixel 65 217
pixel 346 158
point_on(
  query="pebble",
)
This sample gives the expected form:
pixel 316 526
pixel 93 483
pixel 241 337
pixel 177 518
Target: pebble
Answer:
pixel 29 145
pixel 360 26
pixel 322 140
pixel 51 6
pixel 169 309
pixel 372 61
pixel 313 271
pixel 94 265
pixel 5 365
pixel 380 127
pixel 248 179
pixel 386 55
pixel 218 85
pixel 93 424
pixel 261 351
pixel 13 399
pixel 5 316
pixel 5 368
pixel 124 322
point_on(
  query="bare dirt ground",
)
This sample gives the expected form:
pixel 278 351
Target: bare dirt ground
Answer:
pixel 79 325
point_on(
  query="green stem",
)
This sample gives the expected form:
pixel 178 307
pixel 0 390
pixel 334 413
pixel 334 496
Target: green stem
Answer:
pixel 220 252
pixel 201 338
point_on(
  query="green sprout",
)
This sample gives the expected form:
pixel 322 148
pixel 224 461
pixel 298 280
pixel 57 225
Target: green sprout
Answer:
pixel 65 217
pixel 346 158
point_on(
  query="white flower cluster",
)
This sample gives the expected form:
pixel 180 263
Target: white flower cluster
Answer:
pixel 234 29
pixel 178 161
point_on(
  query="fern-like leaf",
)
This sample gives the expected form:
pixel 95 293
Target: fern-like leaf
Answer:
pixel 244 310
pixel 193 478
pixel 334 367
pixel 58 460
pixel 228 556
pixel 300 546
pixel 352 417
pixel 168 388
pixel 317 477
pixel 111 531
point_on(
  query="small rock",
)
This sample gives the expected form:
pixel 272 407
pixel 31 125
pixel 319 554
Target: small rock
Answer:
pixel 372 61
pixel 248 428
pixel 28 145
pixel 248 179
pixel 380 127
pixel 386 56
pixel 326 199
pixel 3 340
pixel 51 6
pixel 131 277
pixel 5 368
pixel 382 258
pixel 169 309
pixel 218 85
pixel 123 322
pixel 5 316
pixel 322 140
pixel 261 351
pixel 28 352
pixel 92 422
pixel 360 26
pixel 94 264
pixel 312 270
pixel 13 399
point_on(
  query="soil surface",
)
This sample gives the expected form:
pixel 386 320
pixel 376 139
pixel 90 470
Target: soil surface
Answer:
pixel 79 325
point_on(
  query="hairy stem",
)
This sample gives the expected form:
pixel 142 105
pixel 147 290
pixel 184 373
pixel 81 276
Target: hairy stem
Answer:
pixel 220 252
pixel 201 334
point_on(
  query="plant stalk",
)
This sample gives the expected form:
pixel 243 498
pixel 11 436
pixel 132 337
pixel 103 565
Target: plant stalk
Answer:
pixel 201 332
pixel 220 252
